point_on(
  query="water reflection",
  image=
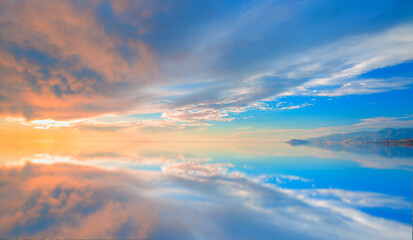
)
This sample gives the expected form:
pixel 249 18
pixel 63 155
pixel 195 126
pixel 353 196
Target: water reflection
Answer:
pixel 384 150
pixel 203 191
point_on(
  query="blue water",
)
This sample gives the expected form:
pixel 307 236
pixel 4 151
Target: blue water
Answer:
pixel 204 191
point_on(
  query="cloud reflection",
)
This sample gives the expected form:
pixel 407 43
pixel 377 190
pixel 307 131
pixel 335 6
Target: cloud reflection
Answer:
pixel 189 200
pixel 66 200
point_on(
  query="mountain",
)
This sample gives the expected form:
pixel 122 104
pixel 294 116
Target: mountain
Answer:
pixel 296 142
pixel 387 135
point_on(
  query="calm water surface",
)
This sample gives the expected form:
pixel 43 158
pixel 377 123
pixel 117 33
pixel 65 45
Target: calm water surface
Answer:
pixel 205 191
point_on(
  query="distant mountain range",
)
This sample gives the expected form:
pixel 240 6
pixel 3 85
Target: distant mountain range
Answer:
pixel 403 136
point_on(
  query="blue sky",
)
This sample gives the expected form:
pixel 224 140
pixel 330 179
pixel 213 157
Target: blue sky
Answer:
pixel 206 66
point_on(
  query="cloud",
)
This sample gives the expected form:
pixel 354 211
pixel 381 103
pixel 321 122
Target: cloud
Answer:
pixel 89 59
pixel 334 69
pixel 355 199
pixel 366 86
pixel 65 64
pixel 353 57
pixel 378 122
pixel 279 179
pixel 197 115
pixel 294 106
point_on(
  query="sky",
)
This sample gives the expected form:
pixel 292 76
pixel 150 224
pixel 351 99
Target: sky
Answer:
pixel 203 70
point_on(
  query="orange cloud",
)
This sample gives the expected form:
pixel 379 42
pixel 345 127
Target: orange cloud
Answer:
pixel 57 61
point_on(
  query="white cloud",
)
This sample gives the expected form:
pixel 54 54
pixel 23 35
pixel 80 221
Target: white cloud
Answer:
pixel 355 198
pixel 330 70
pixel 352 57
